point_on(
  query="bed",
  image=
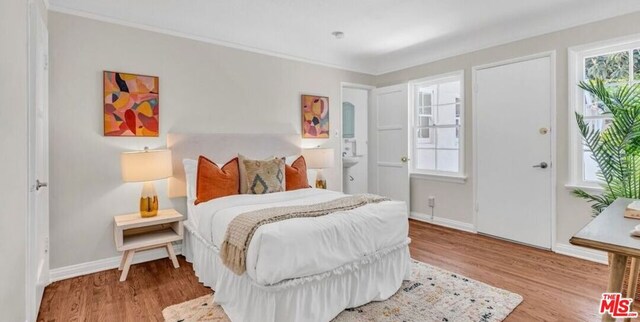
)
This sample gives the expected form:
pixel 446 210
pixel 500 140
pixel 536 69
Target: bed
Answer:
pixel 301 269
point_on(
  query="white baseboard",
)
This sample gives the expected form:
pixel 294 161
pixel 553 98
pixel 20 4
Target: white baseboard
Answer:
pixel 459 225
pixel 582 253
pixel 66 272
pixel 564 249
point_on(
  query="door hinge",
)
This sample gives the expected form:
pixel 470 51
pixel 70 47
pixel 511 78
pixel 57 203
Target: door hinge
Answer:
pixel 46 62
pixel 477 206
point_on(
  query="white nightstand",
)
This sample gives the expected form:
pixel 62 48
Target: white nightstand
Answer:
pixel 134 233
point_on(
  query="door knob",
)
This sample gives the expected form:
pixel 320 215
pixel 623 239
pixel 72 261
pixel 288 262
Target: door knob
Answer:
pixel 542 165
pixel 40 184
pixel 404 159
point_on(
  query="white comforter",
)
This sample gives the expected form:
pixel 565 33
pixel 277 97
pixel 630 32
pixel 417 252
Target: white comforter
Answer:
pixel 304 246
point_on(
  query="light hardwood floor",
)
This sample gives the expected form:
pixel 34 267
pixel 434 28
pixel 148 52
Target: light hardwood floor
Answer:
pixel 554 287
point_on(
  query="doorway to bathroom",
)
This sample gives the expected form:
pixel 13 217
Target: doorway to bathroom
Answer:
pixel 355 136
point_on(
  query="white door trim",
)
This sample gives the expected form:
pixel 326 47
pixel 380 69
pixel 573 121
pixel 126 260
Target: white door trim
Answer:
pixel 552 57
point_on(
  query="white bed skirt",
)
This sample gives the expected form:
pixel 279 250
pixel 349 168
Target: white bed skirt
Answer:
pixel 315 298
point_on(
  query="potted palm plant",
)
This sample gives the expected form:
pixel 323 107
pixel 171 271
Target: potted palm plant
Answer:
pixel 616 148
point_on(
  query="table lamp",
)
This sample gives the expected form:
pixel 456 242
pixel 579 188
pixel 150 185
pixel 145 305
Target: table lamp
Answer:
pixel 146 166
pixel 319 158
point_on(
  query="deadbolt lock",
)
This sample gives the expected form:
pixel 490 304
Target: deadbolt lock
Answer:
pixel 544 130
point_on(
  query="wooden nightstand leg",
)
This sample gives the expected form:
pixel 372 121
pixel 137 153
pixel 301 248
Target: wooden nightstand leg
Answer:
pixel 172 255
pixel 127 265
pixel 123 260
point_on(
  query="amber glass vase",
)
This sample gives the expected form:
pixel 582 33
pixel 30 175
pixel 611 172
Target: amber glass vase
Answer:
pixel 148 201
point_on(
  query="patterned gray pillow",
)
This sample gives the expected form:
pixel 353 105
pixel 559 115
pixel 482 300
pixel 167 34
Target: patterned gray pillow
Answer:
pixel 265 176
pixel 244 187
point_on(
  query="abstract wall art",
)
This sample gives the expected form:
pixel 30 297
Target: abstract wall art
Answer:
pixel 131 104
pixel 315 117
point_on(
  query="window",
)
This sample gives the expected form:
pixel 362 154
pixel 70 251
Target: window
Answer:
pixel 436 125
pixel 616 63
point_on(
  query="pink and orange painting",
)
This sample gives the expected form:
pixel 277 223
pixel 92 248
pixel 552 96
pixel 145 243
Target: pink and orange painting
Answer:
pixel 315 117
pixel 131 104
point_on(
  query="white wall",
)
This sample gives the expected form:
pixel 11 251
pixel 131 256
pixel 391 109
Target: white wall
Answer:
pixel 454 201
pixel 203 88
pixel 13 144
pixel 209 88
pixel 360 100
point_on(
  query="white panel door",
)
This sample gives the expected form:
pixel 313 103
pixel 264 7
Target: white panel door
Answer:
pixel 513 158
pixel 390 107
pixel 38 216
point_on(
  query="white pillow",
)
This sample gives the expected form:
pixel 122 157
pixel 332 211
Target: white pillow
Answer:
pixel 190 173
pixel 289 159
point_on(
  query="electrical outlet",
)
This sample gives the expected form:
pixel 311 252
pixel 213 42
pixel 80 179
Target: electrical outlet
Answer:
pixel 432 201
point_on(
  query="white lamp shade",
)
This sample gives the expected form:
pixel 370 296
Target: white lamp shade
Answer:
pixel 146 165
pixel 318 158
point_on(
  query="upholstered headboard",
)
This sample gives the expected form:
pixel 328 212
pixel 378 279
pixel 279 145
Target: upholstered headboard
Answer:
pixel 223 147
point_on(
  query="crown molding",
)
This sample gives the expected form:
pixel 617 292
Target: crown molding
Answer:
pixel 393 62
pixel 174 33
pixel 493 38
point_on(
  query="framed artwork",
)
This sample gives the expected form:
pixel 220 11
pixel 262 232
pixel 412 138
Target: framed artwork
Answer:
pixel 315 117
pixel 131 104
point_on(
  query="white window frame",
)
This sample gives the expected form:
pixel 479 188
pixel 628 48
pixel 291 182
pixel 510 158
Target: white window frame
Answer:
pixel 576 58
pixel 447 176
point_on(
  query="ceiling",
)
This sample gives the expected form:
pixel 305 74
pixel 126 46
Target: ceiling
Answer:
pixel 380 35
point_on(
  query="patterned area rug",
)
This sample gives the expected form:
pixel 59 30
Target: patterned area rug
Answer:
pixel 432 294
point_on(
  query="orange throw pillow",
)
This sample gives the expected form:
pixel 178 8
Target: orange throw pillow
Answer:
pixel 296 175
pixel 213 182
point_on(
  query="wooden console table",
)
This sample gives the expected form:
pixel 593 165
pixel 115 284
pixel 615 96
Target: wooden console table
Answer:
pixel 609 232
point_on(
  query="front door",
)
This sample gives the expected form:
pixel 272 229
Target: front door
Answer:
pixel 512 110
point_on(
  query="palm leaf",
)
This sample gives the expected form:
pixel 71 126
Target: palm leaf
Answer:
pixel 616 149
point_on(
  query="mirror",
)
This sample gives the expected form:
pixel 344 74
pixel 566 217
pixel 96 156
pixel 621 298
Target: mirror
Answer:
pixel 348 120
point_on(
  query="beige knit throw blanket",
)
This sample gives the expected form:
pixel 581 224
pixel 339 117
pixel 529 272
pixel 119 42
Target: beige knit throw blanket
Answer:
pixel 241 229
